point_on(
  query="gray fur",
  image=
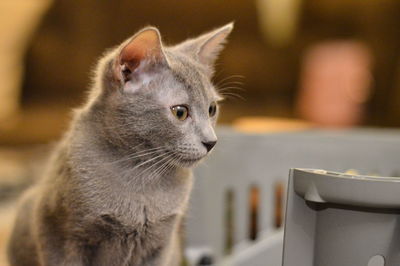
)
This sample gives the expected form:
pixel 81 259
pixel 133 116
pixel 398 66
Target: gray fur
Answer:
pixel 118 184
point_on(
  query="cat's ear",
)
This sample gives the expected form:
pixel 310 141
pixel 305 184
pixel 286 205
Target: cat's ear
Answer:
pixel 207 47
pixel 139 54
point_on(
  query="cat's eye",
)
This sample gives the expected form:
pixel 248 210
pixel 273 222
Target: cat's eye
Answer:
pixel 180 111
pixel 212 110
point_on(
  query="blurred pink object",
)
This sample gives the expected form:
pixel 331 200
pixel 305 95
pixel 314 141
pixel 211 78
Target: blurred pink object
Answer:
pixel 335 83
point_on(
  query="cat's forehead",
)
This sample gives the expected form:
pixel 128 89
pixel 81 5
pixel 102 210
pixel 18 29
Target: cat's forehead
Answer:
pixel 193 78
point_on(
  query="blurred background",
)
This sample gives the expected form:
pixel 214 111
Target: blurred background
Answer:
pixel 289 64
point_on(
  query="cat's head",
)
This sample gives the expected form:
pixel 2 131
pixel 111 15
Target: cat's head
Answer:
pixel 162 96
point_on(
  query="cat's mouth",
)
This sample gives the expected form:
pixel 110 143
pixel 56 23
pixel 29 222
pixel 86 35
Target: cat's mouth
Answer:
pixel 189 162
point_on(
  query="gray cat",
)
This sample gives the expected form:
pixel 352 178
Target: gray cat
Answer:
pixel 118 185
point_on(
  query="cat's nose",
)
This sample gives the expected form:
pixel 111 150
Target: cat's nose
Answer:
pixel 209 145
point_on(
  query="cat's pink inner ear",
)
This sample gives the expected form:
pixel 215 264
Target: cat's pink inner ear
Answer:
pixel 145 45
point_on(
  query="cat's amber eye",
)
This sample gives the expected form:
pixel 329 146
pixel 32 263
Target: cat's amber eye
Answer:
pixel 212 110
pixel 180 111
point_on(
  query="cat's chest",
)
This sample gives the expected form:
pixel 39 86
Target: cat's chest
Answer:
pixel 111 226
pixel 132 207
pixel 138 210
pixel 131 242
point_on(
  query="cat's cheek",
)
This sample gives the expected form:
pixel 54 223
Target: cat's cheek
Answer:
pixel 183 129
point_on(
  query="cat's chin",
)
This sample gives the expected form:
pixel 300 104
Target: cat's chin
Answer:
pixel 188 163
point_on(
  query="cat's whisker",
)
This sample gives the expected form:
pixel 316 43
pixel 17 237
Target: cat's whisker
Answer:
pixel 133 157
pixel 148 150
pixel 226 90
pixel 167 154
pixel 233 82
pixel 169 165
pixel 232 95
pixel 217 74
pixel 230 88
pixel 141 173
pixel 148 161
pixel 160 170
pixel 138 154
pixel 159 164
pixel 237 82
pixel 137 146
pixel 228 83
pixel 154 158
pixel 141 153
pixel 228 78
pixel 146 179
pixel 130 171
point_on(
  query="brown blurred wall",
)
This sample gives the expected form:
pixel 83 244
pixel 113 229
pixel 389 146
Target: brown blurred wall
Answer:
pixel 74 34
